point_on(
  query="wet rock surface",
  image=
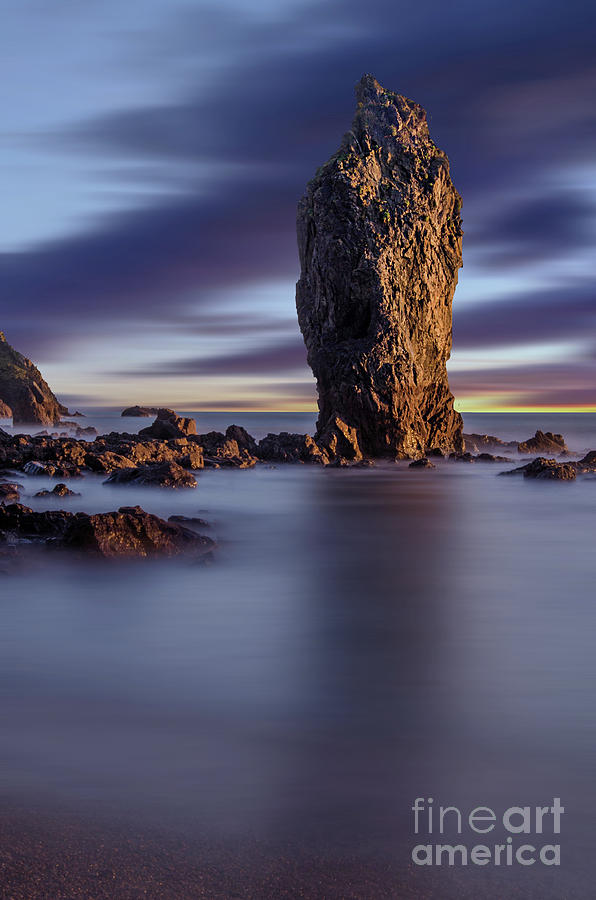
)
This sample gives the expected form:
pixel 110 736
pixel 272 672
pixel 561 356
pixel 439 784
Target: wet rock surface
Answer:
pixel 546 469
pixel 166 474
pixel 129 532
pixel 379 236
pixel 169 425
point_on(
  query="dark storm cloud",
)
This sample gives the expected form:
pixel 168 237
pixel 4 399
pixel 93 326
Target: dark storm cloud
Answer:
pixel 283 358
pixel 538 229
pixel 509 88
pixel 534 317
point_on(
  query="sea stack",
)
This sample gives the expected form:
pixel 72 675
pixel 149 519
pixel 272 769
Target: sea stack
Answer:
pixel 23 392
pixel 380 242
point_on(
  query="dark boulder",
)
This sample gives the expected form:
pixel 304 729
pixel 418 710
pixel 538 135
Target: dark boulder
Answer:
pixel 423 463
pixel 545 469
pixel 287 447
pixel 169 425
pixel 9 492
pixel 60 490
pixel 167 474
pixel 132 532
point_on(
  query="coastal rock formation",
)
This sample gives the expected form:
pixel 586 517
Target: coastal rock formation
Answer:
pixel 5 411
pixel 9 492
pixel 544 442
pixel 547 469
pixel 169 425
pixel 379 236
pixel 132 532
pixel 23 391
pixel 60 490
pixel 166 474
pixel 481 443
pixel 129 532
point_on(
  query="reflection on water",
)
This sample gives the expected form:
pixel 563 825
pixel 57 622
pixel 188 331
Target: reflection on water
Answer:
pixel 364 638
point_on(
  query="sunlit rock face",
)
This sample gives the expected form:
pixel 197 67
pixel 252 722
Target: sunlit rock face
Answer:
pixel 380 242
pixel 23 391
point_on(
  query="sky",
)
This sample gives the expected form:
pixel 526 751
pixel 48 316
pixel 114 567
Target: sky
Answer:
pixel 153 153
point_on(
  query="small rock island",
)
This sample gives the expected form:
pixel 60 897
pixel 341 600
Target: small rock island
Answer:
pixel 380 242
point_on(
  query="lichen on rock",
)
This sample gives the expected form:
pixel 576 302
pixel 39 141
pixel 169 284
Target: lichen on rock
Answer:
pixel 380 241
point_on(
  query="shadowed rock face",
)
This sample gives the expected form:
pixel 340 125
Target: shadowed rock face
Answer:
pixel 23 391
pixel 379 236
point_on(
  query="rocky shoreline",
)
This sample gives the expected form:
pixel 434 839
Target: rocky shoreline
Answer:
pixel 169 453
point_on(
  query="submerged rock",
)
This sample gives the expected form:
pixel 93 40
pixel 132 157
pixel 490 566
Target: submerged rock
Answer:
pixel 480 443
pixel 60 490
pixel 423 463
pixel 23 390
pixel 167 474
pixel 379 236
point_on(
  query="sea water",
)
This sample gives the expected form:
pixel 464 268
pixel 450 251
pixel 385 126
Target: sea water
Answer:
pixel 364 637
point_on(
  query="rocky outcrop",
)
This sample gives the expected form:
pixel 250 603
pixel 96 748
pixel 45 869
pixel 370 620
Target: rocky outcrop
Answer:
pixel 379 236
pixel 9 492
pixel 481 443
pixel 140 411
pixel 286 447
pixel 235 448
pixel 545 469
pixel 5 410
pixel 544 442
pixel 129 532
pixel 169 425
pixel 23 391
pixel 167 474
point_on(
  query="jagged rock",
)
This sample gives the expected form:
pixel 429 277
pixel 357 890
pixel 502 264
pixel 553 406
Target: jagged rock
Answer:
pixel 234 448
pixel 169 425
pixel 340 441
pixel 479 443
pixel 5 411
pixel 491 458
pixel 587 463
pixel 422 463
pixel 9 492
pixel 379 236
pixel 132 532
pixel 129 532
pixel 286 447
pixel 544 442
pixel 141 411
pixel 548 469
pixel 167 474
pixel 61 490
pixel 24 391
pixel 20 522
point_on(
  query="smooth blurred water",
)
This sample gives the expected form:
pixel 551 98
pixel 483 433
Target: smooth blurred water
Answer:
pixel 365 637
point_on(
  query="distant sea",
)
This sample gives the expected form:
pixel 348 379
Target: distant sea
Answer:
pixel 261 727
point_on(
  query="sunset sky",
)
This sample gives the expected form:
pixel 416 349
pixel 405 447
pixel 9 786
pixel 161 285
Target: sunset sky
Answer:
pixel 154 151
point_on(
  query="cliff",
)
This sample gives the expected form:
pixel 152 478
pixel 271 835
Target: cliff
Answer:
pixel 23 390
